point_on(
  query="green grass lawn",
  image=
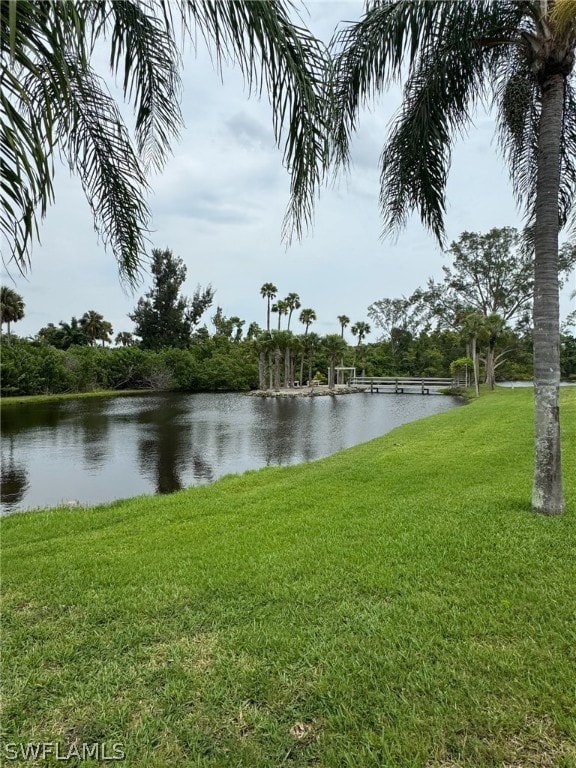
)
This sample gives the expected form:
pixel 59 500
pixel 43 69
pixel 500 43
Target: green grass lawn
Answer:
pixel 395 605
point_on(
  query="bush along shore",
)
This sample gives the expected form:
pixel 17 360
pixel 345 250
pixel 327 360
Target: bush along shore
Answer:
pixel 396 604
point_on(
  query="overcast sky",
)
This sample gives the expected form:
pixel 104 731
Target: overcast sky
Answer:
pixel 220 202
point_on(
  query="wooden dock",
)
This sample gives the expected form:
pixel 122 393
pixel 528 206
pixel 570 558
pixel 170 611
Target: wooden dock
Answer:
pixel 402 385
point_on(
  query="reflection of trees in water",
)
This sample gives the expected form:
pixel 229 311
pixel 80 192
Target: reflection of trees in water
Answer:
pixel 13 478
pixel 276 430
pixel 13 484
pixel 165 451
pixel 93 429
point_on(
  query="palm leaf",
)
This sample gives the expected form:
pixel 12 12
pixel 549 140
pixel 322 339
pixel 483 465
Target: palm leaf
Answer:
pixel 143 48
pixel 444 51
pixel 261 38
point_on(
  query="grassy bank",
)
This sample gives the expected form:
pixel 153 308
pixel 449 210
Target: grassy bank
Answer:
pixel 396 605
pixel 25 399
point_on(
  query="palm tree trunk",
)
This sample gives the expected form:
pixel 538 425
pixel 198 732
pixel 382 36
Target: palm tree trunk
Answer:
pixel 490 373
pixel 475 366
pixel 287 381
pixel 277 358
pixel 547 496
pixel 262 370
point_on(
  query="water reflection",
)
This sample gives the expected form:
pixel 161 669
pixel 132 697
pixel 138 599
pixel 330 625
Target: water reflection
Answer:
pixel 100 450
pixel 13 477
pixel 166 447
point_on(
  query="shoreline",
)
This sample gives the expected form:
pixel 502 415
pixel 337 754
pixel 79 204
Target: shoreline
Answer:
pixel 320 390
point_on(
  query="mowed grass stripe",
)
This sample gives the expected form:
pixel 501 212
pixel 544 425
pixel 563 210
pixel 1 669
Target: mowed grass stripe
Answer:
pixel 396 604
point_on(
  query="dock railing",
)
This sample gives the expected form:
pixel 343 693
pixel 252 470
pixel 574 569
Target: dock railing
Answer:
pixel 402 384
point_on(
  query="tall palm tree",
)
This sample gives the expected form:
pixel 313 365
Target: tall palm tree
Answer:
pixel 106 332
pixel 472 328
pixel 11 307
pixel 311 343
pixel 344 320
pixel 293 302
pixel 46 53
pixel 453 55
pixel 307 317
pixel 360 329
pixel 268 292
pixel 334 346
pixel 281 308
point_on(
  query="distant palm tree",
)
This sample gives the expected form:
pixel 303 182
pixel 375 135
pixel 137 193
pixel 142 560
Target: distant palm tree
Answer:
pixel 335 346
pixel 269 292
pixel 11 307
pixel 124 339
pixel 494 327
pixel 72 334
pixel 311 343
pixel 91 323
pixel 106 332
pixel 293 302
pixel 472 327
pixel 344 320
pixel 307 317
pixel 281 307
pixel 360 329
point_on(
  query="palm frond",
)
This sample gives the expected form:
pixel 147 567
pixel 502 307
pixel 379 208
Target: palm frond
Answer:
pixel 444 50
pixel 284 58
pixel 563 14
pixel 567 195
pixel 27 36
pixel 142 47
pixel 97 145
pixel 518 116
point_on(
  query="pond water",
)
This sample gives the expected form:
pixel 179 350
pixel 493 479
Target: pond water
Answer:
pixel 100 449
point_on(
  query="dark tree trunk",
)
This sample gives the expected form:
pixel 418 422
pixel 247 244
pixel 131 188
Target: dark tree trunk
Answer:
pixel 262 370
pixel 547 496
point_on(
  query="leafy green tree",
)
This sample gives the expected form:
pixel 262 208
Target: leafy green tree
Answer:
pixel 253 331
pixel 228 327
pixel 521 54
pixel 72 334
pixel 46 52
pixel 11 307
pixel 405 314
pixel 268 292
pixel 50 335
pixel 490 273
pixel 160 316
pixel 201 300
